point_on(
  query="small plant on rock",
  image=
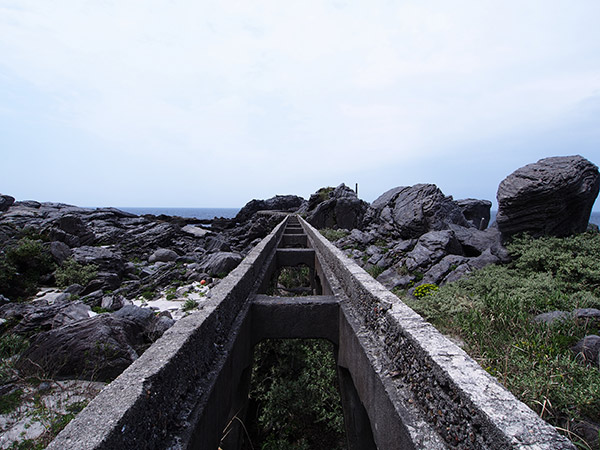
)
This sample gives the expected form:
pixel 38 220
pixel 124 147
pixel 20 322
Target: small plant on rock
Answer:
pixel 189 304
pixel 375 271
pixel 72 272
pixel 424 290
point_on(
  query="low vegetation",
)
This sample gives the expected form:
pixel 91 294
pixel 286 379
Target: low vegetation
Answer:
pixel 72 272
pixel 333 234
pixel 22 267
pixel 294 397
pixel 492 311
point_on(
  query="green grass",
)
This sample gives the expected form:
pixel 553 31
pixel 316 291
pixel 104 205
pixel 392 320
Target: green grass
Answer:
pixel 10 402
pixel 375 271
pixel 333 235
pixel 189 304
pixel 492 311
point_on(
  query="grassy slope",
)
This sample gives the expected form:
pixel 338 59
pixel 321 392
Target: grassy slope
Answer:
pixel 492 312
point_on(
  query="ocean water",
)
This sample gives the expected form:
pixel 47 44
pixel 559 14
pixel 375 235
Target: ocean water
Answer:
pixel 197 213
pixel 594 217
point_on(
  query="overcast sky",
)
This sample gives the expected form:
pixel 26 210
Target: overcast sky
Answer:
pixel 212 103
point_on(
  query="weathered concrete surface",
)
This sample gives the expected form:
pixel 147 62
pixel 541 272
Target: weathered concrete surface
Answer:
pixel 419 366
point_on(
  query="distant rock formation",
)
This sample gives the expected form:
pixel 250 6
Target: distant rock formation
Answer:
pixel 286 203
pixel 553 196
pixel 336 208
pixel 6 201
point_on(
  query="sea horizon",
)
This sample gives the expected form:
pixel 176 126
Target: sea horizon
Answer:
pixel 229 213
pixel 189 212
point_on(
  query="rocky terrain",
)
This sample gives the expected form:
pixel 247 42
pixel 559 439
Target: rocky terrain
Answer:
pixel 83 292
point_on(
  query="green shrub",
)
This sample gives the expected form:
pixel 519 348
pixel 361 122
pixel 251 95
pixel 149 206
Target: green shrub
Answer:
pixel 21 268
pixel 148 294
pixel 324 192
pixel 9 402
pixel 72 272
pixel 424 290
pixel 294 386
pixel 12 344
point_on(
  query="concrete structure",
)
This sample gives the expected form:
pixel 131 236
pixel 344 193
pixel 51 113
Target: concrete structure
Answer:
pixel 403 385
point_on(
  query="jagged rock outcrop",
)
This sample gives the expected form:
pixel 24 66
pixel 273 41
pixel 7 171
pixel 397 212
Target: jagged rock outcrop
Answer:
pixel 284 203
pixel 6 201
pixel 553 196
pixel 44 314
pixel 336 208
pixel 415 234
pixel 409 212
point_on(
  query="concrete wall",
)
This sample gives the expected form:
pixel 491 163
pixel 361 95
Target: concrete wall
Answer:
pixel 434 383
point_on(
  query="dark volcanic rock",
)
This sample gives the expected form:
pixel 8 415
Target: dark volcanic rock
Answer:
pixel 287 203
pixel 588 349
pixel 106 259
pixel 431 248
pixel 551 197
pixel 6 201
pixel 99 348
pixel 413 211
pixel 221 263
pixel 341 209
pixel 163 255
pixel 477 212
pixel 60 251
pixel 38 315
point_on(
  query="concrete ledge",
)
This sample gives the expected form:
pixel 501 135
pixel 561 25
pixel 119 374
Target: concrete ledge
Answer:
pixel 460 400
pixel 295 256
pixel 311 317
pixel 154 401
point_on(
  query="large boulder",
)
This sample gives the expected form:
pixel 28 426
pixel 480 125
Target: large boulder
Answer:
pixel 553 196
pixel 336 208
pixel 44 314
pixel 221 263
pixel 411 211
pixel 99 348
pixel 109 260
pixel 163 255
pixel 286 203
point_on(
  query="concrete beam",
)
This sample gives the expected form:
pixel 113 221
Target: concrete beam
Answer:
pixel 295 256
pixel 310 317
pixel 293 240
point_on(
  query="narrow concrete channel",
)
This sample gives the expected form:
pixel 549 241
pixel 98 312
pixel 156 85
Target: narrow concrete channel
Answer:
pixel 402 384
